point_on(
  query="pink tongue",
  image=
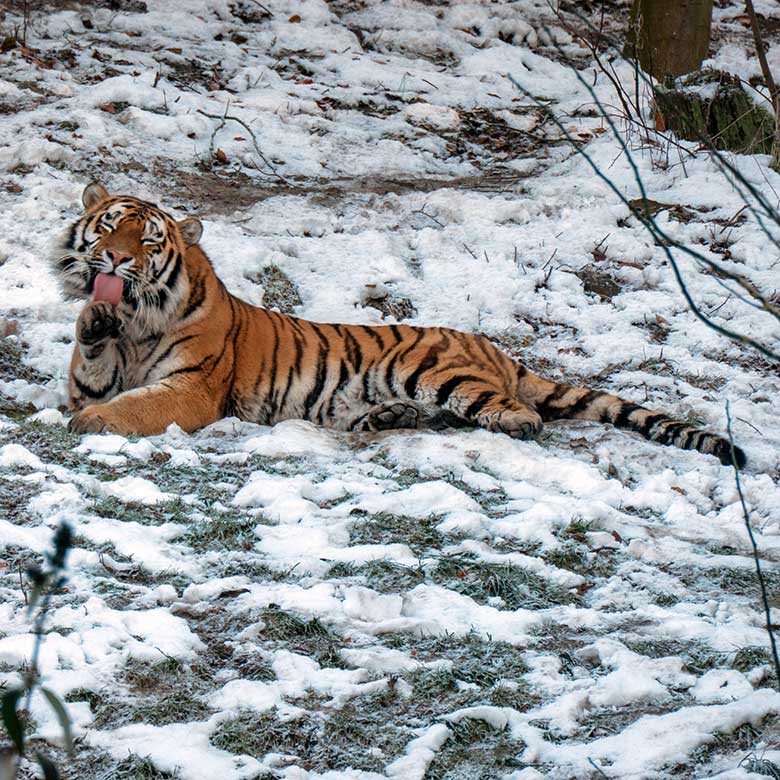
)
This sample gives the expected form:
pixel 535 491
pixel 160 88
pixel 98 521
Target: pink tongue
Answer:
pixel 108 287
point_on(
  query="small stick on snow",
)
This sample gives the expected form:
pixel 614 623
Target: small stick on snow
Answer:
pixel 263 7
pixel 750 425
pixel 733 221
pixel 426 214
pixel 597 768
pixel 518 263
pixel 223 119
pixel 21 586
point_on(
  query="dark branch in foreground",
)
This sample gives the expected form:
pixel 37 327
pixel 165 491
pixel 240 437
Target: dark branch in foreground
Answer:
pixel 759 573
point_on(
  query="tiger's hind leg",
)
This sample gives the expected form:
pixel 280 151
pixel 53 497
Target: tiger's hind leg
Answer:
pixel 506 415
pixel 387 416
pixel 485 405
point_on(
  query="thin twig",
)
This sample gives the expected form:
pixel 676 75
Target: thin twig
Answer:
pixel 759 573
pixel 224 118
pixel 426 214
pixel 597 768
pixel 750 425
pixel 21 586
pixel 760 53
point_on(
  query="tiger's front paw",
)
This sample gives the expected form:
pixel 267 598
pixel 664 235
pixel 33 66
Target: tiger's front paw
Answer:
pixel 89 420
pixel 97 322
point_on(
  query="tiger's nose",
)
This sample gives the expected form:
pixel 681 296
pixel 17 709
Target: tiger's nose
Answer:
pixel 117 257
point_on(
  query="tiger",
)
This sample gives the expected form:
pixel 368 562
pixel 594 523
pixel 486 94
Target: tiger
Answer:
pixel 161 340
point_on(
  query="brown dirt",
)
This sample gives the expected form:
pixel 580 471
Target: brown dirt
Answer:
pixel 212 193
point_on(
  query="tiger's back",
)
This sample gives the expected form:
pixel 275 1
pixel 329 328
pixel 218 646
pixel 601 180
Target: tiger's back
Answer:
pixel 176 346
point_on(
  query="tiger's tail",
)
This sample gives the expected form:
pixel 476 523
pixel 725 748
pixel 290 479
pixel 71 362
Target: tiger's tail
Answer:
pixel 556 401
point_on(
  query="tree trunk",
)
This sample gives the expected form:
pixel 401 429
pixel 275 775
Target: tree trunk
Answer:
pixel 713 108
pixel 669 37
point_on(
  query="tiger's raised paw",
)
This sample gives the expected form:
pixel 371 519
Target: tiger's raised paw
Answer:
pixel 98 321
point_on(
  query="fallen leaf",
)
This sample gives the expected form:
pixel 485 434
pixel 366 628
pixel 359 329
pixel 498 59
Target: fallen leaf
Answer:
pixel 678 489
pixel 294 19
pixel 583 588
pixel 221 156
pixel 109 108
pixel 9 327
pixel 616 536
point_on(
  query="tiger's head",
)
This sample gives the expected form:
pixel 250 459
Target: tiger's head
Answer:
pixel 128 252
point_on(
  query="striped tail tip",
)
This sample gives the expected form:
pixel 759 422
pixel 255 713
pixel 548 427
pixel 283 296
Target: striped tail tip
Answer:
pixel 687 437
pixel 722 450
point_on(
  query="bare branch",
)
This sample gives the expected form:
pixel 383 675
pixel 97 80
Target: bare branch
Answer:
pixel 751 535
pixel 646 218
pixel 227 117
pixel 760 53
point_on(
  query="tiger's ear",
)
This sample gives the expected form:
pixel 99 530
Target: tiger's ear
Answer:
pixel 93 194
pixel 191 230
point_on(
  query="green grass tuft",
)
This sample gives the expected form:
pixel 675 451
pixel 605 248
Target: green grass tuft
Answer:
pixel 230 530
pixel 516 587
pixel 306 637
pixel 279 291
pixel 747 658
pixel 388 528
pixel 136 768
pixel 474 751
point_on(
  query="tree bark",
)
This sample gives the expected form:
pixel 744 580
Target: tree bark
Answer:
pixel 774 94
pixel 669 37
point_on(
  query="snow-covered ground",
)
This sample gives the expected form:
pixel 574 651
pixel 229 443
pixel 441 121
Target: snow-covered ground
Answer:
pixel 297 603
